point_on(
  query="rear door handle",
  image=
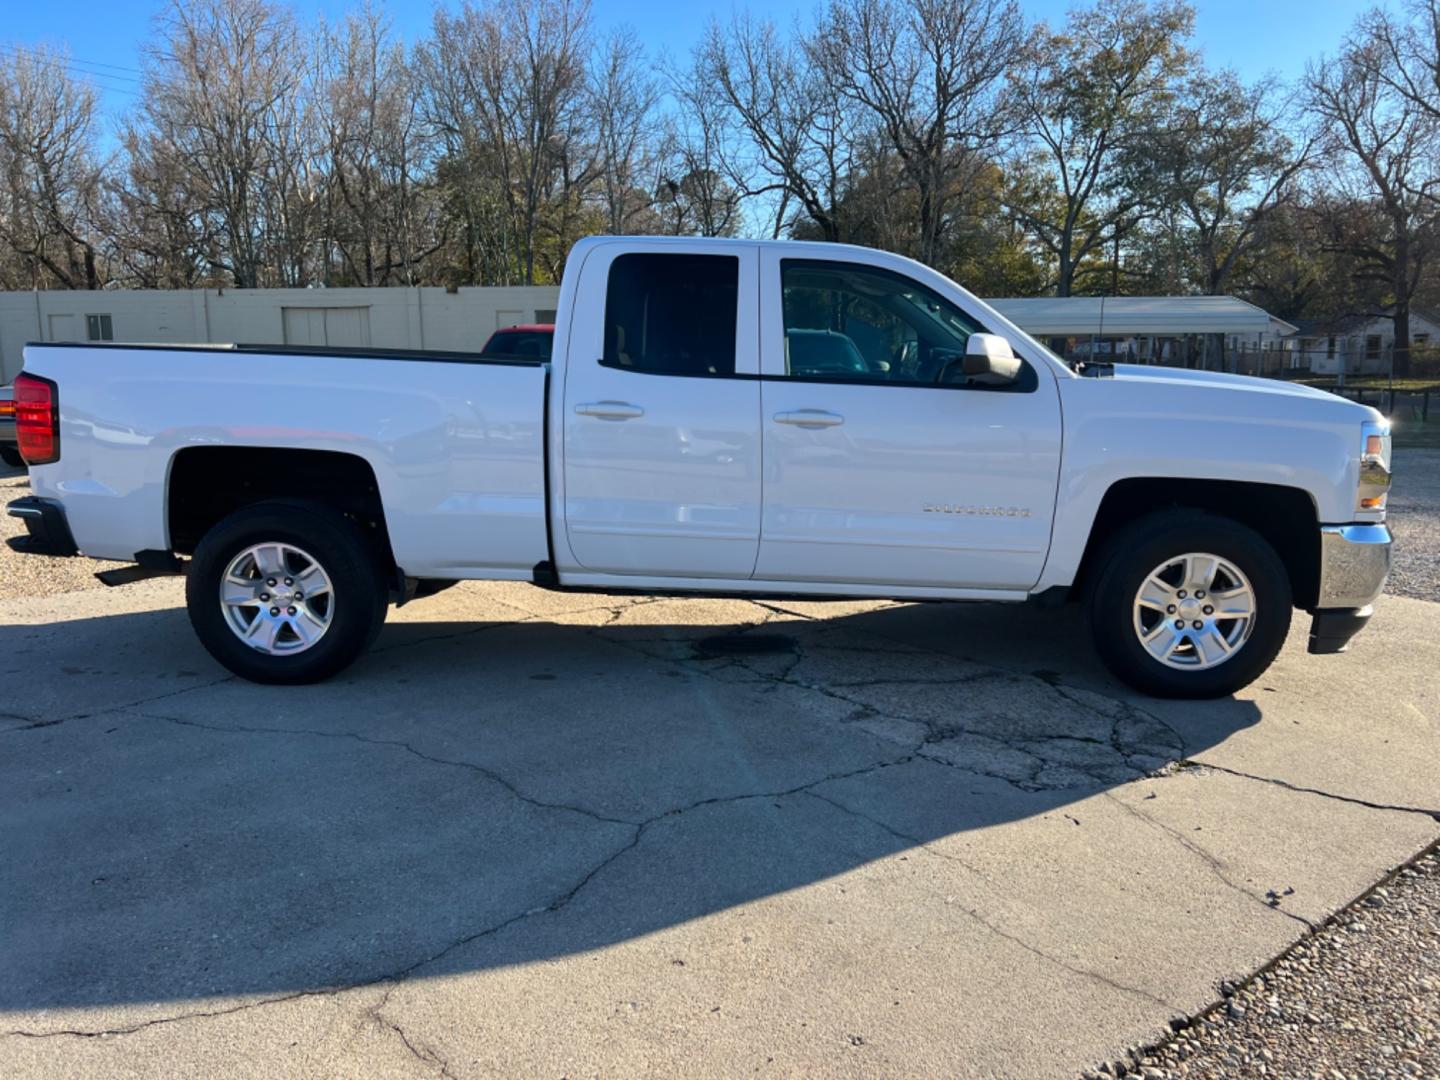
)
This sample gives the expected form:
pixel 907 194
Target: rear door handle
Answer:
pixel 609 410
pixel 809 418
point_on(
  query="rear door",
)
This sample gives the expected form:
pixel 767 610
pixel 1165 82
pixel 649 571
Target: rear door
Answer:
pixel 883 465
pixel 662 412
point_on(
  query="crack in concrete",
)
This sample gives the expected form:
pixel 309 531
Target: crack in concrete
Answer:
pixel 399 744
pixel 554 905
pixel 923 845
pixel 1029 746
pixel 469 631
pixel 526 617
pixel 1215 865
pixel 425 1054
pixel 617 611
pixel 1068 694
pixel 955 680
pixel 1021 744
pixel 30 722
pixel 1050 679
pixel 115 708
pixel 201 1014
pixel 1434 815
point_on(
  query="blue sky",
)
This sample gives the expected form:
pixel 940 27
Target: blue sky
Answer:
pixel 1253 36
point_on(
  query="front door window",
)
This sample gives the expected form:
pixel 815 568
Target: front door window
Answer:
pixel 850 323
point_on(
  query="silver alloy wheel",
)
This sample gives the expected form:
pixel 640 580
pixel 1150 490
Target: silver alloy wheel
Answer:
pixel 1194 611
pixel 277 598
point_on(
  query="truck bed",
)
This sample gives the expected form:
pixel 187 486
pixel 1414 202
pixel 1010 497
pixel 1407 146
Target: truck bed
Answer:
pixel 455 440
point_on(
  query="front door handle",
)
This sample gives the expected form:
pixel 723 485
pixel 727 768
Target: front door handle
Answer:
pixel 809 418
pixel 609 410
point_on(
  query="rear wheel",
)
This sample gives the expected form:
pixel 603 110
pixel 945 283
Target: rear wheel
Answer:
pixel 1189 605
pixel 286 592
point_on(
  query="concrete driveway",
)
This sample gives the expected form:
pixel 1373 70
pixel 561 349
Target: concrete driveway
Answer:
pixel 567 835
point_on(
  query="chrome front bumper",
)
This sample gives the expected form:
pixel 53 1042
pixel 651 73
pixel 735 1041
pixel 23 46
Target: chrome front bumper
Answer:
pixel 1354 562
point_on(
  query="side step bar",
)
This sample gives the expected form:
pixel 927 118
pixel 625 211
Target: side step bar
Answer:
pixel 148 564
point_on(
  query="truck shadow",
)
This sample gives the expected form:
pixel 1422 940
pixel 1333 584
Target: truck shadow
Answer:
pixel 476 795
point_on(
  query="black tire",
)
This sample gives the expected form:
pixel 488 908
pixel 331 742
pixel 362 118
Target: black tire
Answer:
pixel 1126 562
pixel 11 456
pixel 359 591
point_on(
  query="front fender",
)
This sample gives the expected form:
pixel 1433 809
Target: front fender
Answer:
pixel 1119 430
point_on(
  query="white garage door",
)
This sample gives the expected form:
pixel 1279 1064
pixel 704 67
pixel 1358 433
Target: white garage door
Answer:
pixel 348 327
pixel 343 327
pixel 304 326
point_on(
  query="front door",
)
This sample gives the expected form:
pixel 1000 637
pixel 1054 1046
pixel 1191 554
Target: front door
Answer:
pixel 883 465
pixel 662 413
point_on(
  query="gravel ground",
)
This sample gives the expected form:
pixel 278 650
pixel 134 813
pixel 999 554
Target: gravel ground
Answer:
pixel 1358 1000
pixel 1415 519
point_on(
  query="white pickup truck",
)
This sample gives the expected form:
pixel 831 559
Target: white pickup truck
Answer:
pixel 725 417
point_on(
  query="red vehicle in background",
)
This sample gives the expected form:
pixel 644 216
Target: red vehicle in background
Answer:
pixel 529 340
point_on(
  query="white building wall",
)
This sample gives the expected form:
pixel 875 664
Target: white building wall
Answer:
pixel 429 318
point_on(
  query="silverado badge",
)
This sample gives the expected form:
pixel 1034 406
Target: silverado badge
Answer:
pixel 977 511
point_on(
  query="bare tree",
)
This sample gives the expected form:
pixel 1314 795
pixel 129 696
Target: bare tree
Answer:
pixel 292 196
pixel 379 224
pixel 1223 156
pixel 926 73
pixel 624 98
pixel 505 85
pixel 467 180
pixel 1390 144
pixel 162 239
pixel 49 205
pixel 1085 94
pixel 1405 52
pixel 799 128
pixel 695 193
pixel 225 111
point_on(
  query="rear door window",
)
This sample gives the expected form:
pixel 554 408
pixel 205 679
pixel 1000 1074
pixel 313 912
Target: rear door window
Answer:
pixel 672 314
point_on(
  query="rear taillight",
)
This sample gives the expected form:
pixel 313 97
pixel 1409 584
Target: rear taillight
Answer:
pixel 37 419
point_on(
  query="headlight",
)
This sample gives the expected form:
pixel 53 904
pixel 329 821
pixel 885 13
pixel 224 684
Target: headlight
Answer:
pixel 1374 467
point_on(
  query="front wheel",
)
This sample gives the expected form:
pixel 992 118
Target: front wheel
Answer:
pixel 285 592
pixel 1186 604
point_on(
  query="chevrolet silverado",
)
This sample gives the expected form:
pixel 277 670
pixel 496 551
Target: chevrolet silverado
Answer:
pixel 727 417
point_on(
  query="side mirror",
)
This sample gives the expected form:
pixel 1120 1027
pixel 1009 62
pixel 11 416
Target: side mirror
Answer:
pixel 990 360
